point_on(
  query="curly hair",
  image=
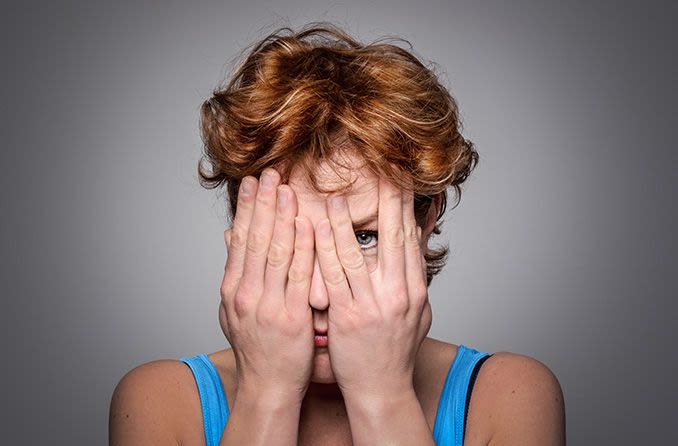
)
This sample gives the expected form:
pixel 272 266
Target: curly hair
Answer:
pixel 299 92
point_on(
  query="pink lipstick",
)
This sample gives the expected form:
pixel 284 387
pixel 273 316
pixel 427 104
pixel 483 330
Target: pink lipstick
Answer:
pixel 320 339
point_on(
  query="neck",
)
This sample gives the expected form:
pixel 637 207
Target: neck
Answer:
pixel 318 392
pixel 323 418
pixel 322 403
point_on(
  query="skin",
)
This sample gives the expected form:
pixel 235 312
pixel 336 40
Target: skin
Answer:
pixel 296 265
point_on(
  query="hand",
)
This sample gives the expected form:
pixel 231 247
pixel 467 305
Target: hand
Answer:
pixel 379 317
pixel 264 311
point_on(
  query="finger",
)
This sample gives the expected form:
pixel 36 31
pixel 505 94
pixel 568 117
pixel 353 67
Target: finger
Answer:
pixel 223 322
pixel 226 288
pixel 416 283
pixel 348 251
pixel 261 230
pixel 334 278
pixel 422 259
pixel 236 237
pixel 301 269
pixel 425 320
pixel 391 247
pixel 227 237
pixel 281 247
pixel 227 242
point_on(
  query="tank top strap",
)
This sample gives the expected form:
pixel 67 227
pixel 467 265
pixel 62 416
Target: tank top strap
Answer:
pixel 450 417
pixel 212 397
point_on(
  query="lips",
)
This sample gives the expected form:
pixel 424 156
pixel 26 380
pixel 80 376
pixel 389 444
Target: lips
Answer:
pixel 320 338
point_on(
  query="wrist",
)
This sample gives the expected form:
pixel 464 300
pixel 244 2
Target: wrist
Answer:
pixel 397 418
pixel 268 397
pixel 379 403
pixel 379 391
pixel 262 415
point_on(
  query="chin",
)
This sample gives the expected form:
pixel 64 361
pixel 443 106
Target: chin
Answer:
pixel 322 369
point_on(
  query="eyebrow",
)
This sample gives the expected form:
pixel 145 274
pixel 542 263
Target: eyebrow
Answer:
pixel 365 220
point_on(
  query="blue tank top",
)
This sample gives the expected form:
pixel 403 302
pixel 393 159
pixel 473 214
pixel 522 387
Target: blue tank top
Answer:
pixel 450 417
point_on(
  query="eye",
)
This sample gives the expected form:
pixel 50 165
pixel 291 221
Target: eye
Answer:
pixel 366 239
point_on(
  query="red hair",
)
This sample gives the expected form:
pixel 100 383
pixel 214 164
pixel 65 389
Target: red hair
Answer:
pixel 299 98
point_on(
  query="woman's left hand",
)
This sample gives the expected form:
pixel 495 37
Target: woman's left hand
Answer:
pixel 378 317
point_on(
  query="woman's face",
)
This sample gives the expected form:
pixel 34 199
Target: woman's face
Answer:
pixel 363 205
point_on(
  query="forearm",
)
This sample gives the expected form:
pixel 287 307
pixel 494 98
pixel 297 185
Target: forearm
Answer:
pixel 397 419
pixel 262 420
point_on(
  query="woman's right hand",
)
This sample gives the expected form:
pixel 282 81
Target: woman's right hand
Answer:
pixel 265 289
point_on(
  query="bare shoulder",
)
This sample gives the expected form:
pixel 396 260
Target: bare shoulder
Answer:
pixel 436 354
pixel 519 400
pixel 430 371
pixel 155 403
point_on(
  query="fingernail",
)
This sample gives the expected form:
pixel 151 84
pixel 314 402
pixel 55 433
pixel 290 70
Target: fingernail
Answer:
pixel 419 232
pixel 267 180
pixel 245 187
pixel 282 198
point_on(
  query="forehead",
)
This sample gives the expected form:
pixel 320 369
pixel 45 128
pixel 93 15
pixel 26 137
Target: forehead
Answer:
pixel 349 175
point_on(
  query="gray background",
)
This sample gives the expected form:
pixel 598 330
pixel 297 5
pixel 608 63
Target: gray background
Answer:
pixel 563 247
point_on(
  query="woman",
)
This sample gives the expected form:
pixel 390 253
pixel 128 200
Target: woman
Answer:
pixel 336 157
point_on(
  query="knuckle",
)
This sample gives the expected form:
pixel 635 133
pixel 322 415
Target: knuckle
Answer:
pixel 225 290
pixel 391 193
pixel 372 317
pixel 419 294
pixel 241 305
pixel 400 306
pixel 411 235
pixel 265 316
pixel 229 285
pixel 245 289
pixel 278 255
pixel 352 259
pixel 296 275
pixel 326 248
pixel 334 276
pixel 257 244
pixel 395 290
pixel 394 237
pixel 397 300
pixel 238 238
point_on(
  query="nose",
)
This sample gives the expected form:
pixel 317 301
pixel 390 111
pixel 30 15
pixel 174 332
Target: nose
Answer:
pixel 318 298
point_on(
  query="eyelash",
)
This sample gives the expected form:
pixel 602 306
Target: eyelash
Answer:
pixel 373 234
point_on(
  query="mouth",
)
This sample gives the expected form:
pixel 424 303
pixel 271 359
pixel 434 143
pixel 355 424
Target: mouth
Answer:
pixel 320 338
